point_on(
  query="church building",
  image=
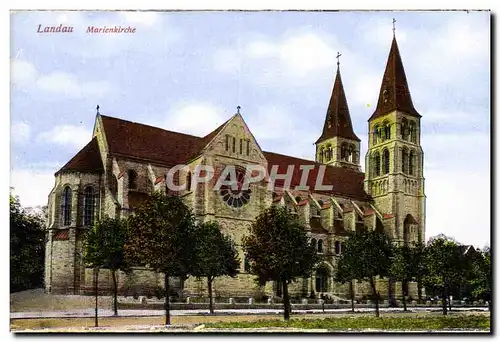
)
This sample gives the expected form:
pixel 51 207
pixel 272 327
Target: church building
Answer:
pixel 125 161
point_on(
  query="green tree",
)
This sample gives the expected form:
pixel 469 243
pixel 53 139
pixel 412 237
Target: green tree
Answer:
pixel 403 269
pixel 367 254
pixel 481 280
pixel 346 275
pixel 446 267
pixel 215 255
pixel 104 248
pixel 278 249
pixel 162 237
pixel 27 248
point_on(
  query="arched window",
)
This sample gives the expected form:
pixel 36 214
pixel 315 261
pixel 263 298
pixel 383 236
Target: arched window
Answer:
pixel 386 161
pixel 132 179
pixel 320 246
pixel 313 242
pixel 412 131
pixel 411 163
pixel 404 129
pixel 375 134
pixel 89 200
pixel 352 153
pixel 343 152
pixel 337 247
pixel 329 152
pixel 321 155
pixel 298 199
pixel 66 206
pixel 376 164
pixel 188 181
pixel 404 160
pixel 387 130
pixel 227 142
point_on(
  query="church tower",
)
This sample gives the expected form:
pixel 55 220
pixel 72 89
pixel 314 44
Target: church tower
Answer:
pixel 338 145
pixel 394 160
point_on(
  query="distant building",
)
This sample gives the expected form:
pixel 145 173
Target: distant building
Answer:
pixel 124 161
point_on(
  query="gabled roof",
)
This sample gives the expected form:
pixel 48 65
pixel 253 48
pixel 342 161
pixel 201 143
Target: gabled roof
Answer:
pixel 394 92
pixel 345 182
pixel 167 148
pixel 338 120
pixel 88 159
pixel 146 142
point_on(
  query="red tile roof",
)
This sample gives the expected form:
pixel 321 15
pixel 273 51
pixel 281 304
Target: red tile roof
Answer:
pixel 61 235
pixel 345 182
pixel 303 202
pixel 168 148
pixel 88 159
pixel 154 144
pixel 347 210
pixel 338 120
pixel 326 206
pixel 159 179
pixel 388 216
pixel 394 91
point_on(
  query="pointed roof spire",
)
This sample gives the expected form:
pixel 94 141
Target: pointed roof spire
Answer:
pixel 394 91
pixel 338 120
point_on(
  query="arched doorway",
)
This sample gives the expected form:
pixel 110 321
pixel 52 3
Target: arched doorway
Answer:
pixel 322 276
pixel 410 227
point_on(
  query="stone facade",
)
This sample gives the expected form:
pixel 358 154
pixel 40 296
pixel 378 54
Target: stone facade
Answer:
pixel 115 183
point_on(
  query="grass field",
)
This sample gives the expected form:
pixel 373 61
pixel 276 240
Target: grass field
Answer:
pixel 409 321
pixel 434 322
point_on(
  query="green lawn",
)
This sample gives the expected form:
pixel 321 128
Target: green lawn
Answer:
pixel 469 322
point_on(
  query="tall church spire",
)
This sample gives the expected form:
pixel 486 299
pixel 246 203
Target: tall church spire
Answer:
pixel 338 120
pixel 394 92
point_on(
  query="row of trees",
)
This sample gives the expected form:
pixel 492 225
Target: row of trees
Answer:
pixel 163 235
pixel 441 267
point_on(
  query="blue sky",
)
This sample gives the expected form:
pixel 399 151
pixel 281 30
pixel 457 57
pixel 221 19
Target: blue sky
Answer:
pixel 187 71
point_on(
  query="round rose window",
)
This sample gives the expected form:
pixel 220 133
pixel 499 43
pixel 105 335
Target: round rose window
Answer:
pixel 235 197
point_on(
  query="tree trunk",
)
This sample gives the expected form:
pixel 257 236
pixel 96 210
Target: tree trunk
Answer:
pixel 351 293
pixel 375 296
pixel 444 301
pixel 449 303
pixel 404 286
pixel 167 301
pixel 419 289
pixel 211 303
pixel 96 289
pixel 286 300
pixel 115 293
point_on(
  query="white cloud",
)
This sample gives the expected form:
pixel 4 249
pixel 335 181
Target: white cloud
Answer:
pixel 22 72
pixel 77 136
pixel 32 186
pixel 194 118
pixel 26 76
pixel 294 56
pixel 458 205
pixel 20 132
